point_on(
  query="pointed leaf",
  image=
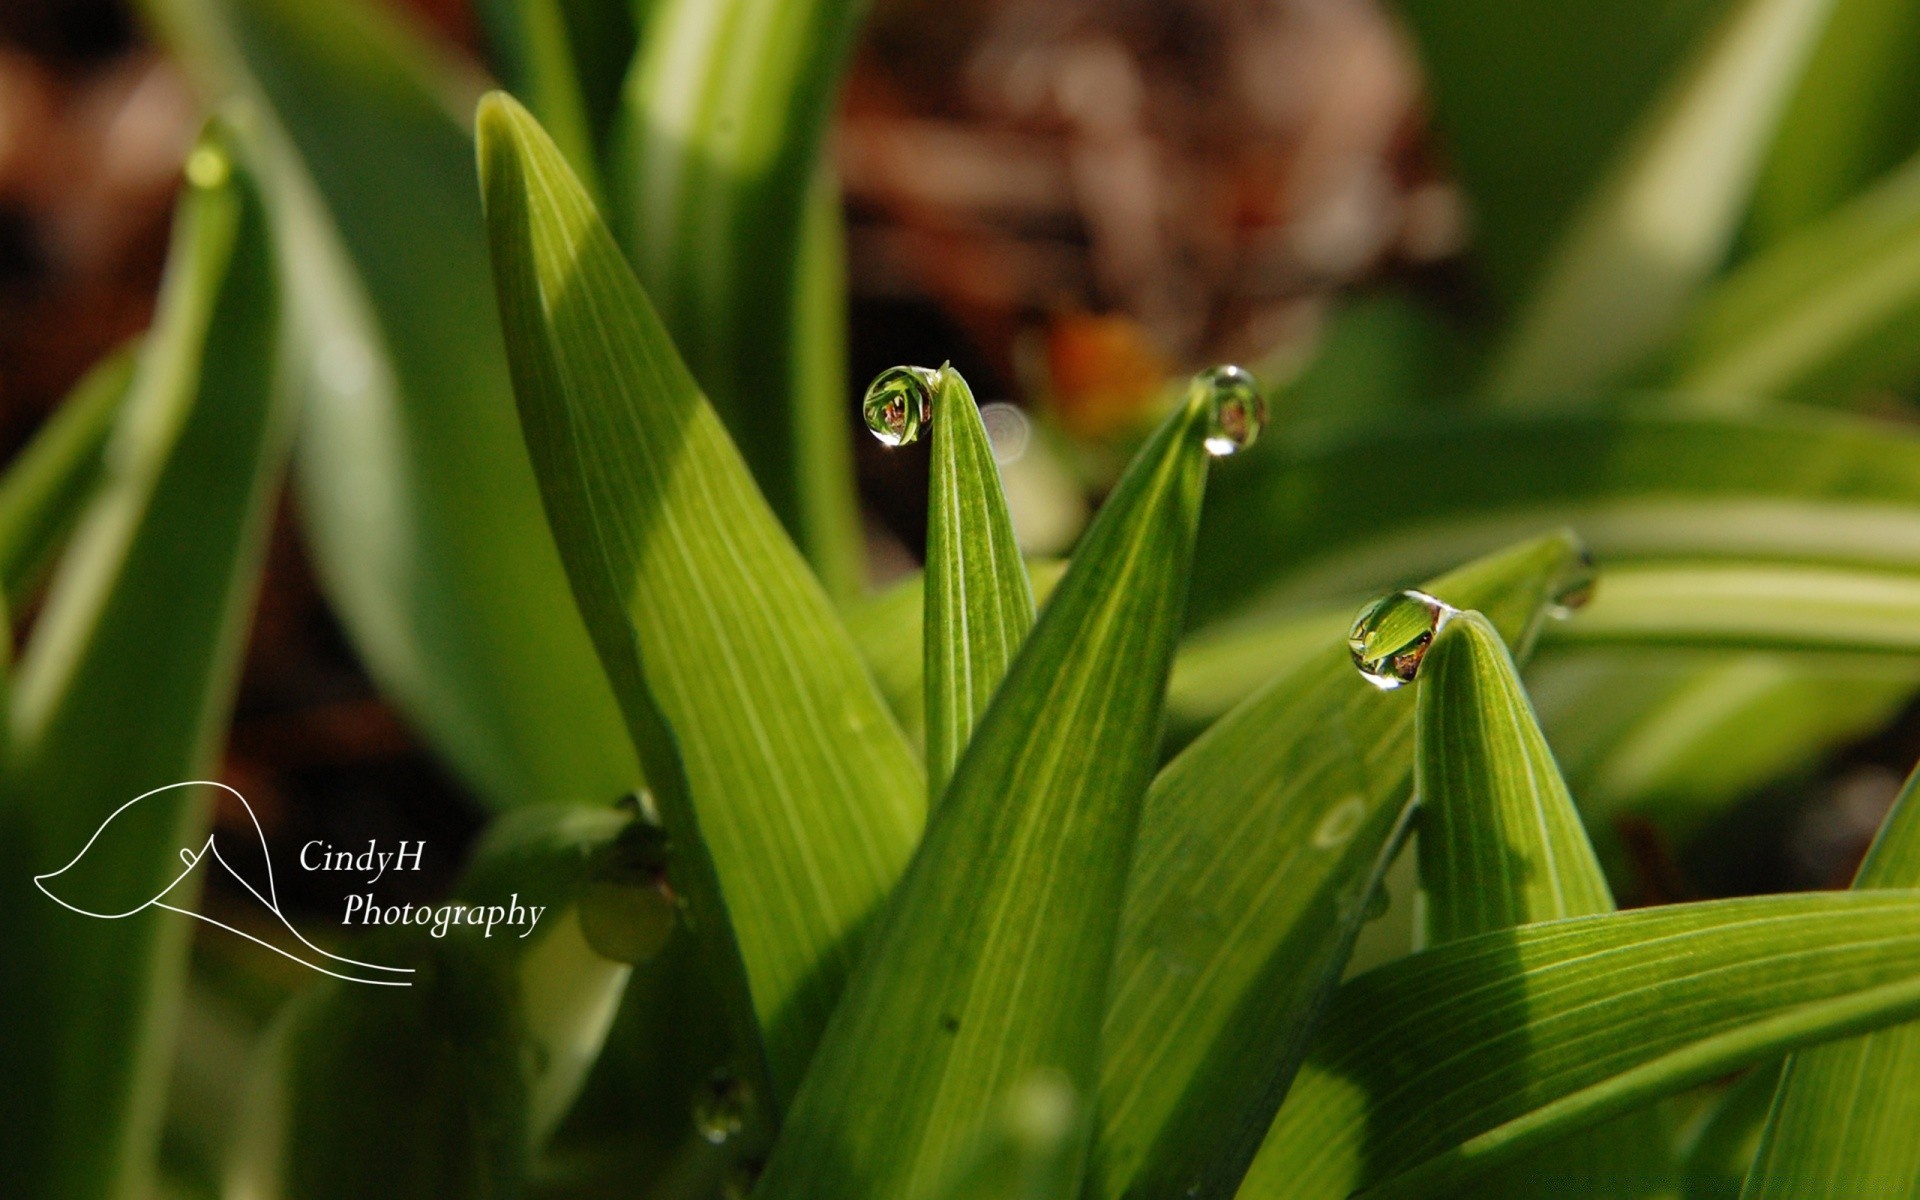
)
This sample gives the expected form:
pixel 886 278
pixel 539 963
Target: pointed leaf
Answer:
pixel 46 486
pixel 533 50
pixel 992 959
pixel 1501 845
pixel 127 686
pixel 1259 847
pixel 419 503
pixel 792 798
pixel 1442 1065
pixel 979 603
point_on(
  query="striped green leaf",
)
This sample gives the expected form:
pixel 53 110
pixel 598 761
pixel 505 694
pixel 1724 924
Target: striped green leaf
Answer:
pixel 979 602
pixel 991 962
pixel 791 796
pixel 1318 518
pixel 1259 847
pixel 736 237
pixel 1501 845
pixel 1843 1116
pixel 419 503
pixel 1740 606
pixel 533 51
pixel 126 686
pixel 45 487
pixel 1442 1065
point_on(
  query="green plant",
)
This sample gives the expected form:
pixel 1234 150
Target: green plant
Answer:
pixel 946 893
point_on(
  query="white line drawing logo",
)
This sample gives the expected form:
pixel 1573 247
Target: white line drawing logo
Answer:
pixel 192 859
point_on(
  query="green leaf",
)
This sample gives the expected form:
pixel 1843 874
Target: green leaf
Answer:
pixel 1851 119
pixel 1029 1153
pixel 1737 606
pixel 419 502
pixel 44 488
pixel 979 605
pixel 1259 847
pixel 1501 845
pixel 1500 841
pixel 1449 1062
pixel 533 51
pixel 719 202
pixel 1535 100
pixel 1319 518
pixel 1843 1115
pixel 127 686
pixel 1661 221
pixel 792 799
pixel 1823 313
pixel 992 959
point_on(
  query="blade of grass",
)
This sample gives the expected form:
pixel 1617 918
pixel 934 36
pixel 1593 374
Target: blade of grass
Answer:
pixel 126 686
pixel 1442 1065
pixel 1259 848
pixel 417 498
pixel 45 487
pixel 1501 845
pixel 1843 1115
pixel 718 203
pixel 1661 221
pixel 1822 314
pixel 1737 606
pixel 792 798
pixel 991 961
pixel 979 603
pixel 1318 519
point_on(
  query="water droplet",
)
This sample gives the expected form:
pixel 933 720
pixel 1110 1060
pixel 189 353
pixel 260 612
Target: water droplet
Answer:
pixel 721 1111
pixel 1342 821
pixel 208 167
pixel 1575 590
pixel 627 908
pixel 1237 410
pixel 899 404
pixel 1391 636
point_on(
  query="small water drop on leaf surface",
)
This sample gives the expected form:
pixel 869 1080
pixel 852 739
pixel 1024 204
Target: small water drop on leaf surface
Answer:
pixel 1391 636
pixel 721 1111
pixel 1236 408
pixel 899 404
pixel 1576 588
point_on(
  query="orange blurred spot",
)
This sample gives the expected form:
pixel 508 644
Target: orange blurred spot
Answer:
pixel 1106 375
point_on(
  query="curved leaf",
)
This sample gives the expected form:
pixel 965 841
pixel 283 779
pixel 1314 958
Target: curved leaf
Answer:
pixel 419 502
pixel 1447 1063
pixel 792 798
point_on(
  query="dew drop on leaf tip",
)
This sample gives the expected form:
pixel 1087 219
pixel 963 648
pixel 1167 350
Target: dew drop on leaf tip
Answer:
pixel 1236 408
pixel 1391 635
pixel 1575 589
pixel 899 404
pixel 721 1111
